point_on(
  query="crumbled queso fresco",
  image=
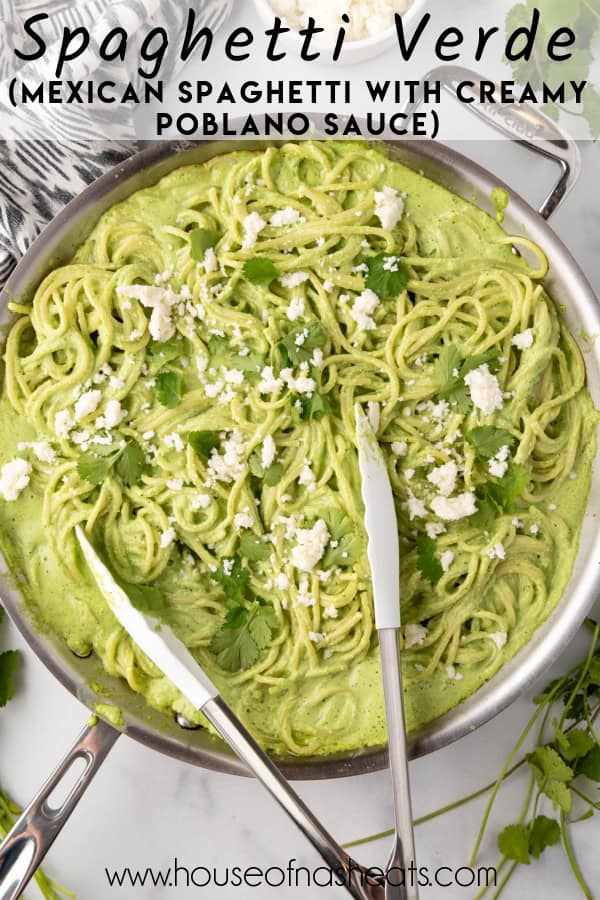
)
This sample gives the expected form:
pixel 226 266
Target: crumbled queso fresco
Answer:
pixel 368 18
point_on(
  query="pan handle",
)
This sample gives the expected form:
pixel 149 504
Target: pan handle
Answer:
pixel 523 122
pixel 25 846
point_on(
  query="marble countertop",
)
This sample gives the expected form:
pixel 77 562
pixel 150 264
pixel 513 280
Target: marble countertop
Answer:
pixel 145 809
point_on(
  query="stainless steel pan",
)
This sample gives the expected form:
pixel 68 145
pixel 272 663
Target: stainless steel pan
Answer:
pixel 566 283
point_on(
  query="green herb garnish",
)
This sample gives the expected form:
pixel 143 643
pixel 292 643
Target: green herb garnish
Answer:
pixel 9 662
pixel 169 389
pixel 222 354
pixel 312 407
pixel 163 352
pixel 555 766
pixel 259 270
pixel 204 442
pixel 487 440
pixel 233 577
pixel 300 343
pixel 243 634
pixel 349 543
pixel 271 476
pixel 128 462
pixel 427 562
pixel 251 546
pixel 387 276
pixel 201 239
pixel 450 370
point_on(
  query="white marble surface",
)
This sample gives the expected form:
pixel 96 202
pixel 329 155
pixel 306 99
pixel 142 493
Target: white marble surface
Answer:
pixel 145 809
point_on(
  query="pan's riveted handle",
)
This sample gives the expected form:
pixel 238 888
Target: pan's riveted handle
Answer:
pixel 523 122
pixel 25 846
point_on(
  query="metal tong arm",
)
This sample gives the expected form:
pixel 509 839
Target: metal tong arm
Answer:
pixel 403 852
pixel 32 835
pixel 356 879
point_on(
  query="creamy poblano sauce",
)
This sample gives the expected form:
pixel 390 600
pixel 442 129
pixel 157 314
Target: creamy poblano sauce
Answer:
pixel 363 281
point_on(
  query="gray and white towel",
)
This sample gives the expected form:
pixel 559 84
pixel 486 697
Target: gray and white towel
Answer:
pixel 38 177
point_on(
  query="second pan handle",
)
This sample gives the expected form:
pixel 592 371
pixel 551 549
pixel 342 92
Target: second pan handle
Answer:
pixel 523 122
pixel 27 843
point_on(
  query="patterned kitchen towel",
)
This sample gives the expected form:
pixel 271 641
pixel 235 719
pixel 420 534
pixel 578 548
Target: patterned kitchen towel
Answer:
pixel 38 177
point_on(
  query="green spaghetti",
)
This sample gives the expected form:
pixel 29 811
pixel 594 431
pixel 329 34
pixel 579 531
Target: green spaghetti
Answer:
pixel 185 388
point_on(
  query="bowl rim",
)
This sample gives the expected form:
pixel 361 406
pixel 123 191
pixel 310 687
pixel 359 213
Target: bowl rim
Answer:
pixel 266 10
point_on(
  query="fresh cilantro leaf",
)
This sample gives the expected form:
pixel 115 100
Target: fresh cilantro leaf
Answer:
pixel 9 661
pixel 169 389
pixel 349 543
pixel 146 598
pixel 243 635
pixel 510 487
pixel 490 359
pixel 446 369
pixel 300 343
pixel 574 743
pixel 232 577
pixel 236 617
pixel 589 765
pixel 274 474
pixel 94 467
pixel 313 407
pixel 387 276
pixel 553 775
pixel 513 843
pixel 131 463
pixel 201 239
pixel 271 475
pixel 252 546
pixel 449 371
pixel 222 354
pixel 260 271
pixel 163 352
pixel 262 624
pixel 427 562
pixel 204 442
pixel 487 440
pixel 544 833
pixel 594 671
pixel 497 497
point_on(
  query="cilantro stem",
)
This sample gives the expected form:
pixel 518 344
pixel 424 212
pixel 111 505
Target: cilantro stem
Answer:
pixel 585 797
pixel 437 812
pixel 571 857
pixel 582 674
pixel 499 781
pixel 506 878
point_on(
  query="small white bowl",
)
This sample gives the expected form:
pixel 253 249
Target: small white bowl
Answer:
pixel 353 51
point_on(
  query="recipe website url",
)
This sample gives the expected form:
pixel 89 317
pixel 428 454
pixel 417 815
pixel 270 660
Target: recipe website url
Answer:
pixel 293 875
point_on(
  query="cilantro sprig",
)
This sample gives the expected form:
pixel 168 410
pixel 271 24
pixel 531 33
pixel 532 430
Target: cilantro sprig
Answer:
pixel 201 240
pixel 557 767
pixel 427 562
pixel 271 475
pixel 260 271
pixel 245 632
pixel 387 275
pixel 9 663
pixel 450 369
pixel 169 389
pixel 496 497
pixel 301 341
pixel 487 440
pixel 250 622
pixel 128 463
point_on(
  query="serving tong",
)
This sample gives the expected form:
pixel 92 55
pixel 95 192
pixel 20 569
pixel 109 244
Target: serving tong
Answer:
pixel 26 844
